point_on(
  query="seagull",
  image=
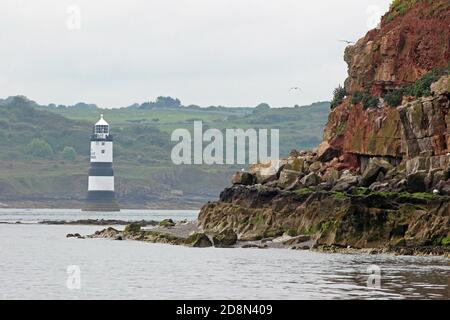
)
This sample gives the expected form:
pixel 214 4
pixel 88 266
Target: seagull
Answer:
pixel 347 42
pixel 295 88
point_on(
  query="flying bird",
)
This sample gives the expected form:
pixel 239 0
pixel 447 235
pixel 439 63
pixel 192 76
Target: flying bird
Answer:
pixel 347 42
pixel 295 88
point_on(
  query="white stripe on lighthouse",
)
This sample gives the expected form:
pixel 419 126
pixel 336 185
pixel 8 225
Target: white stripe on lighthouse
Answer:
pixel 101 151
pixel 101 183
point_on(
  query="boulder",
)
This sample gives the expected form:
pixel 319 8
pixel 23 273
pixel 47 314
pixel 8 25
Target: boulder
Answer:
pixel 268 171
pixel 442 86
pixel 445 189
pixel 417 164
pixel 373 170
pixel 446 173
pixel 243 178
pixel 416 182
pixel 346 182
pixel 315 166
pixel 75 235
pixel 287 178
pixel 167 223
pixel 399 186
pixel 294 153
pixel 198 240
pixel 331 176
pixel 433 178
pixel 295 164
pixel 325 152
pixel 106 233
pixel 225 239
pixel 310 180
pixel 380 186
pixel 296 240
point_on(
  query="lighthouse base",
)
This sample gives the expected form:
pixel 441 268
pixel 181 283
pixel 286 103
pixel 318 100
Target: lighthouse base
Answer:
pixel 103 201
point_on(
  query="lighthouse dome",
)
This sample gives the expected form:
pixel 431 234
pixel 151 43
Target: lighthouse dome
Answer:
pixel 102 122
pixel 101 129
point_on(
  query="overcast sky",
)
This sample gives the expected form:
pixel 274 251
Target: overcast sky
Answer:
pixel 205 52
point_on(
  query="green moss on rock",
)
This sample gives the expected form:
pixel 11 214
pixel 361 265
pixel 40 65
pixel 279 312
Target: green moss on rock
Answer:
pixel 198 240
pixel 132 228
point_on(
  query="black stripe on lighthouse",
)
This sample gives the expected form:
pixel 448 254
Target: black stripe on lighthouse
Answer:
pixel 101 169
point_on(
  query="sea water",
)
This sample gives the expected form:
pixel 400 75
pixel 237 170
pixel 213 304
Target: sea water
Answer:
pixel 38 262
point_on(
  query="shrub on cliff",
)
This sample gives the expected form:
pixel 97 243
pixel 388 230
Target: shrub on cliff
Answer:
pixel 422 87
pixel 400 7
pixel 370 101
pixel 394 97
pixel 338 96
pixel 357 97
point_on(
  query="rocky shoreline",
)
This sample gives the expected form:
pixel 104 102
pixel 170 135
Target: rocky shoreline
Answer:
pixel 190 235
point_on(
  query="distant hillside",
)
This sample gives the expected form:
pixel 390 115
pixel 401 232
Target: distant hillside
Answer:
pixel 44 150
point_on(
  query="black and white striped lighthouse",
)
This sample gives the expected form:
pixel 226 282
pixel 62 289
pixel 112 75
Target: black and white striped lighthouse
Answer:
pixel 101 195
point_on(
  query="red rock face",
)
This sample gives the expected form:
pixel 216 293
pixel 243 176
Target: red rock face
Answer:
pixel 401 51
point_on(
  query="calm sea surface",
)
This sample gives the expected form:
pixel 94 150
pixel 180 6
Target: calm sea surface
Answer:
pixel 35 259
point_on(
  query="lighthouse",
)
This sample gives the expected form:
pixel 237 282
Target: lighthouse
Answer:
pixel 101 195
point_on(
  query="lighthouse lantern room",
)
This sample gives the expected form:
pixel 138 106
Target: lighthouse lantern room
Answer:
pixel 101 195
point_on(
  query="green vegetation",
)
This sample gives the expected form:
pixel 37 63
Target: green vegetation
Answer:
pixel 304 191
pixel 39 148
pixel 394 98
pixel 338 96
pixel 357 98
pixel 132 228
pixel 360 191
pixel 366 98
pixel 324 226
pixel 339 195
pixel 167 223
pixel 341 128
pixel 55 165
pixel 369 101
pixel 445 241
pixel 421 88
pixel 69 153
pixel 400 7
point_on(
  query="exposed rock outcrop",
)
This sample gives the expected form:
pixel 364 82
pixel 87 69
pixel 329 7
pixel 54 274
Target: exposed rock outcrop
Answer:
pixel 406 46
pixel 380 178
pixel 372 220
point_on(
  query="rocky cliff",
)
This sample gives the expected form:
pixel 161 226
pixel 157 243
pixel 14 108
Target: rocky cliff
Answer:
pixel 381 176
pixel 411 44
pixel 413 37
